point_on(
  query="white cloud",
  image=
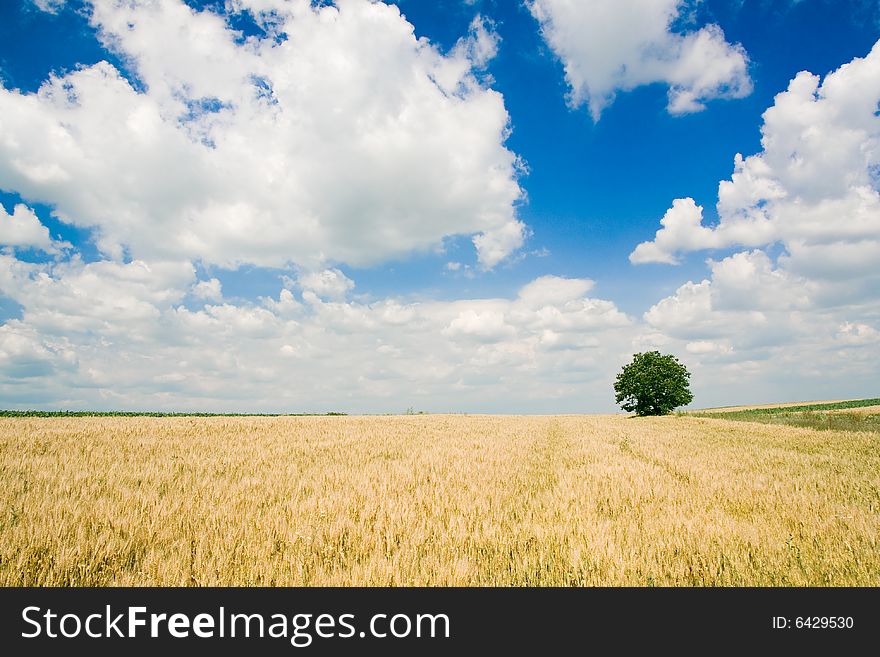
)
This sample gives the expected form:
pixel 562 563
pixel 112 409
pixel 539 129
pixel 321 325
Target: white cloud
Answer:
pixel 328 284
pixel 681 228
pixel 348 141
pixel 746 301
pixel 691 314
pixel 22 229
pixel 353 142
pixel 111 335
pixel 480 46
pixel 708 347
pixel 210 290
pixel 135 345
pixel 24 355
pixel 49 6
pixel 856 333
pixel 496 244
pixel 484 324
pixel 554 290
pixel 813 188
pixel 781 346
pixel 124 300
pixel 804 319
pixel 608 46
pixel 748 280
pixel 286 306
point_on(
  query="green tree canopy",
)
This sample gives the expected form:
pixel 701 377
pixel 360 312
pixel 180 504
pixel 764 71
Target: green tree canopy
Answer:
pixel 653 384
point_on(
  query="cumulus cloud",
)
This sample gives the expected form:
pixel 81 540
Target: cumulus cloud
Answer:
pixel 857 333
pixel 113 298
pixel 807 310
pixel 49 6
pixel 691 314
pixel 109 335
pixel 480 46
pixel 486 323
pixel 210 290
pixel 813 188
pixel 748 342
pixel 24 354
pixel 681 227
pixel 328 284
pixel 22 229
pixel 496 244
pixel 608 46
pixel 336 136
pixel 708 347
pixel 554 290
pixel 746 304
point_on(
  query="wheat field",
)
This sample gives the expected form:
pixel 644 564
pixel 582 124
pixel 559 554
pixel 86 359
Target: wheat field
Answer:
pixel 435 500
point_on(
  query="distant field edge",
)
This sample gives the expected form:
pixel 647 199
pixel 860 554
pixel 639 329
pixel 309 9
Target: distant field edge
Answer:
pixel 5 413
pixel 788 407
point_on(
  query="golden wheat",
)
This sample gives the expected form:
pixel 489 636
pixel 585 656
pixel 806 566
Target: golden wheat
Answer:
pixel 435 500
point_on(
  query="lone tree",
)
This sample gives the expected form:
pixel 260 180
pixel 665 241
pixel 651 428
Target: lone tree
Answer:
pixel 653 384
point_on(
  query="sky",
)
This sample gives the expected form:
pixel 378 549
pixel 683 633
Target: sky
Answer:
pixel 449 206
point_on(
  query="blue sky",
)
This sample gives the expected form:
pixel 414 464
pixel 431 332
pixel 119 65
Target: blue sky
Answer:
pixel 601 160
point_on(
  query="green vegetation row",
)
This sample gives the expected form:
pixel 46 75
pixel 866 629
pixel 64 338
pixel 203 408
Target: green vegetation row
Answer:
pixel 825 406
pixel 152 414
pixel 812 416
pixel 815 420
